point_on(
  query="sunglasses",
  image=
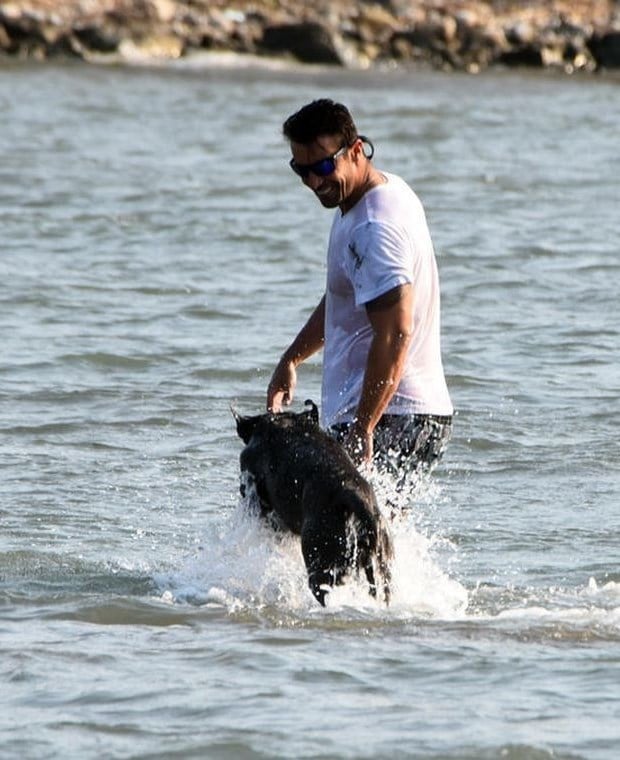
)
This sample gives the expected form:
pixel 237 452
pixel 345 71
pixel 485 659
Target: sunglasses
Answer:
pixel 321 168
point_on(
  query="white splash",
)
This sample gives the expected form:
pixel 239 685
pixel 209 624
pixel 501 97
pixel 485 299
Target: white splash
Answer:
pixel 246 565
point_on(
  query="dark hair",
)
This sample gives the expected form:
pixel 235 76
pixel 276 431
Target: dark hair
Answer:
pixel 319 118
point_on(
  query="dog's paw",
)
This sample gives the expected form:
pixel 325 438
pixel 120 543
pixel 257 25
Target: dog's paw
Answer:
pixel 320 593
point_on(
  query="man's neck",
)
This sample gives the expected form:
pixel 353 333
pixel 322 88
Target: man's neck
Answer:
pixel 370 180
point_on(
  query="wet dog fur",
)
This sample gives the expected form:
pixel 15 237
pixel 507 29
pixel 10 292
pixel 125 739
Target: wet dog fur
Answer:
pixel 306 483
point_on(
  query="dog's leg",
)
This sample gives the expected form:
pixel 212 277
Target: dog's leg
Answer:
pixel 325 557
pixel 317 586
pixel 361 549
pixel 370 577
pixel 373 551
pixel 385 554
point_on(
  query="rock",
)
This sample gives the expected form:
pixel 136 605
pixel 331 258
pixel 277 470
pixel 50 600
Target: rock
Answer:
pixel 605 49
pixel 373 26
pixel 309 42
pixel 467 35
pixel 426 40
pixel 98 39
pixel 5 40
pixel 522 55
pixel 163 46
pixel 164 10
pixel 520 34
pixel 463 44
pixel 482 48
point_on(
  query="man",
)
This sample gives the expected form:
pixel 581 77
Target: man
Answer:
pixel 384 392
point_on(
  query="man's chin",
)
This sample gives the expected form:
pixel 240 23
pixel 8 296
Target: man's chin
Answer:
pixel 328 201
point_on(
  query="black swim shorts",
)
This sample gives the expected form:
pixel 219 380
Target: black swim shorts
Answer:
pixel 405 445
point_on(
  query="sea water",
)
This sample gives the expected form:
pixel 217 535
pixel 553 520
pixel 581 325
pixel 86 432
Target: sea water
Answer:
pixel 156 256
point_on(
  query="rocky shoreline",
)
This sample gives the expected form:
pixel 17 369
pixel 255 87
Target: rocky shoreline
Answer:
pixel 463 35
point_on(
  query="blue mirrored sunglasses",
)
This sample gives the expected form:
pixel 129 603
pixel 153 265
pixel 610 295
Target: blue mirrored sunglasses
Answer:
pixel 320 168
pixel 327 165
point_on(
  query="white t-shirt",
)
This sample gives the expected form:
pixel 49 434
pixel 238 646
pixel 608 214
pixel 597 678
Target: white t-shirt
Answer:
pixel 382 242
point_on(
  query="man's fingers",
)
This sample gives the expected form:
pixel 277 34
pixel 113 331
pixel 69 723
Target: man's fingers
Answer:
pixel 277 401
pixel 275 404
pixel 281 389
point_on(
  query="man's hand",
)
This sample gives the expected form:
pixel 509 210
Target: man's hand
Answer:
pixel 358 443
pixel 281 389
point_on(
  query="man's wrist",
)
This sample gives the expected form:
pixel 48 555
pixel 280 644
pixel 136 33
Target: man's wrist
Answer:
pixel 362 426
pixel 289 358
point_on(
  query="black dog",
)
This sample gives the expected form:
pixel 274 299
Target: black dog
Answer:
pixel 306 480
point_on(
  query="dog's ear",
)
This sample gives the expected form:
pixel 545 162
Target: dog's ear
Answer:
pixel 313 411
pixel 245 425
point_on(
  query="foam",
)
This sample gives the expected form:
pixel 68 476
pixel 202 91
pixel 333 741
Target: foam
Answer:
pixel 244 565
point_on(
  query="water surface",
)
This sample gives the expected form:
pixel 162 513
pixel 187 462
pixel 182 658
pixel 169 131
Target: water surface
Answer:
pixel 157 255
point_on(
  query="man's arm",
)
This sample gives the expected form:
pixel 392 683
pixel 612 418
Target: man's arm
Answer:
pixel 391 318
pixel 309 340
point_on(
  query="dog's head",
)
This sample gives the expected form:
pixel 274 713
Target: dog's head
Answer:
pixel 247 426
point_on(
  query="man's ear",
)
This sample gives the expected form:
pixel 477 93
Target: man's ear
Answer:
pixel 358 150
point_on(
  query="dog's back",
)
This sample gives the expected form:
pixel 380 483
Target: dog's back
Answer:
pixel 308 480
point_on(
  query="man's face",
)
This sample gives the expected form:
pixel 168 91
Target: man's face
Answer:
pixel 332 189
